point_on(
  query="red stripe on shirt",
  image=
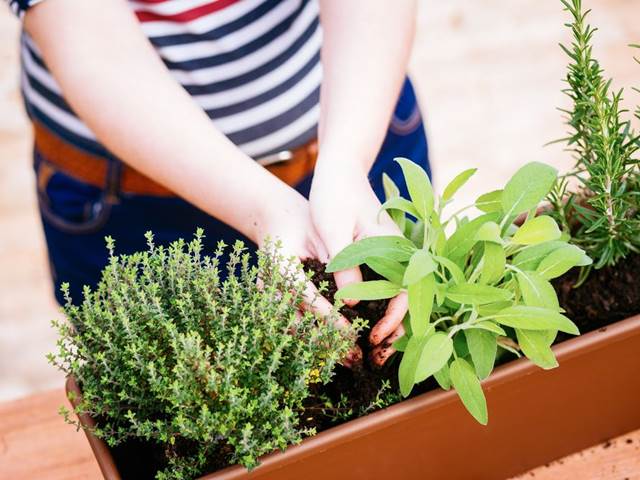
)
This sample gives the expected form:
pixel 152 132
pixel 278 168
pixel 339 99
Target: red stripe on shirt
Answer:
pixel 187 15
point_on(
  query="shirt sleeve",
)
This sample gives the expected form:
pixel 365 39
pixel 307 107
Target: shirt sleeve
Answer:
pixel 19 7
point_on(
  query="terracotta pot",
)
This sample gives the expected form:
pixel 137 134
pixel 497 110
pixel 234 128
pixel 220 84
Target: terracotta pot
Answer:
pixel 535 416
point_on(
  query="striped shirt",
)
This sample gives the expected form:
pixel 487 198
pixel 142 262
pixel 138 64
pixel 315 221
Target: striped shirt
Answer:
pixel 252 65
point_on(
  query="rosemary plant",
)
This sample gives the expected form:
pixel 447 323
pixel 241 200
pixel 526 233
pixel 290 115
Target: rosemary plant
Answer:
pixel 604 216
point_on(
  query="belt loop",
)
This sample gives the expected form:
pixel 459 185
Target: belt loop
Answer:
pixel 114 176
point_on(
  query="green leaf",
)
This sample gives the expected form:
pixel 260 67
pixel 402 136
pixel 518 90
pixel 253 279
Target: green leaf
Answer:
pixel 536 291
pixel 455 184
pixel 477 294
pixel 489 327
pixel 419 187
pixel 421 303
pixel 535 318
pixel 464 238
pixel 490 202
pixel 420 265
pixel 415 232
pixel 489 232
pixel 530 257
pixel 493 308
pixel 443 378
pixel 391 190
pixel 534 344
pixel 455 271
pixel 435 354
pixel 402 204
pixel 389 269
pixel 373 290
pixel 391 247
pixel 401 343
pixel 460 344
pixel 528 186
pixel 562 260
pixel 537 230
pixel 494 261
pixel 483 348
pixel 467 385
pixel 409 363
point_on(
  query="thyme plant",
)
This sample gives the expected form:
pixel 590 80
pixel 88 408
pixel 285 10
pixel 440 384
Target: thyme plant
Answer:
pixel 166 350
pixel 604 216
pixel 480 289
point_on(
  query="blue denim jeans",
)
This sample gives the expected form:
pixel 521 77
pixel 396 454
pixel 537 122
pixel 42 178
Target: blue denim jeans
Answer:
pixel 77 217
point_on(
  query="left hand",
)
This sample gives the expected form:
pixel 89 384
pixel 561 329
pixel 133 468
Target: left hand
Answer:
pixel 344 208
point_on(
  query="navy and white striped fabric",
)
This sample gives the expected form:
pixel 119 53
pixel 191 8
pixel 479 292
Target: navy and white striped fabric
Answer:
pixel 252 65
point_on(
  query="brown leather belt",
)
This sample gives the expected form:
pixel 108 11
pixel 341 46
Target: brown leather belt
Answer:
pixel 290 166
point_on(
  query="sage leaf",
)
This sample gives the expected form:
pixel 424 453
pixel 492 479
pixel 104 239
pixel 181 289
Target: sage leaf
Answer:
pixel 489 232
pixel 443 378
pixel 401 204
pixel 494 261
pixel 537 230
pixel 464 238
pixel 477 294
pixel 391 190
pixel 391 247
pixel 483 348
pixel 419 187
pixel 535 318
pixel 372 290
pixel 536 291
pixel 460 344
pixel 389 269
pixel 401 343
pixel 467 385
pixel 562 260
pixel 454 270
pixel 408 364
pixel 530 257
pixel 421 295
pixel 528 186
pixel 534 345
pixel 455 184
pixel 434 356
pixel 420 265
pixel 490 202
pixel 489 326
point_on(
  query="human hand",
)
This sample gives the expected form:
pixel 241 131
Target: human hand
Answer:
pixel 289 221
pixel 344 208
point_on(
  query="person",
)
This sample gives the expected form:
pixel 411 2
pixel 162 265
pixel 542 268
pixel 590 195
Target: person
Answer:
pixel 253 119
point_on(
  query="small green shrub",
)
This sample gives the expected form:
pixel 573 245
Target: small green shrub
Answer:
pixel 166 350
pixel 604 215
pixel 482 288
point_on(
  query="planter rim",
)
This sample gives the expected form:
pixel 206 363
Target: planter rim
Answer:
pixel 398 412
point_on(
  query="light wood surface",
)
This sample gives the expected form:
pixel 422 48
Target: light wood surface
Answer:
pixel 36 444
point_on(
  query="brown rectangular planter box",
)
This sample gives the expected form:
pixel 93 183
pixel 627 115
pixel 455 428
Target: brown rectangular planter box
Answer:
pixel 535 416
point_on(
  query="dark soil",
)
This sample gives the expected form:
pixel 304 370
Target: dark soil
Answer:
pixel 360 384
pixel 607 296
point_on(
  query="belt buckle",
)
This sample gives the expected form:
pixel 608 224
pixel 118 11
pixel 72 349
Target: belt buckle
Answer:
pixel 278 157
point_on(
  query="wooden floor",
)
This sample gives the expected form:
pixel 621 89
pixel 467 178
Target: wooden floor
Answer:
pixel 36 444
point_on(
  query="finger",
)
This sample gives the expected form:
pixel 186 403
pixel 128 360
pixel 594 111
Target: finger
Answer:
pixel 396 310
pixel 382 352
pixel 346 277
